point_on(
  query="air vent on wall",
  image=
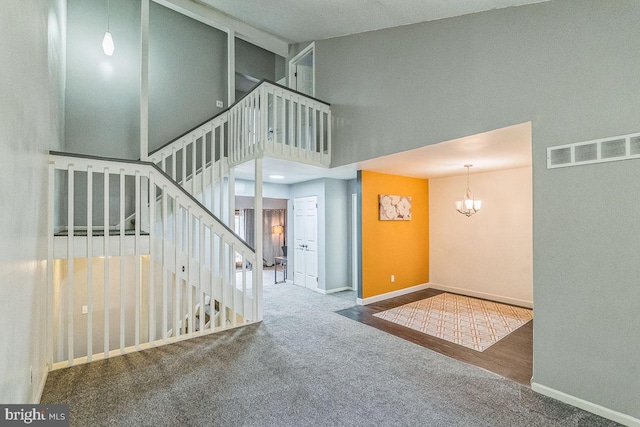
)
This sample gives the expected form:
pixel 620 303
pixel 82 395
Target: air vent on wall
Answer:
pixel 597 151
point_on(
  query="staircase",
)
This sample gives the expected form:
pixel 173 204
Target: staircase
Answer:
pixel 141 253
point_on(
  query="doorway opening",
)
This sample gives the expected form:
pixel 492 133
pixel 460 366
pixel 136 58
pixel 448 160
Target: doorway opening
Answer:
pixel 302 75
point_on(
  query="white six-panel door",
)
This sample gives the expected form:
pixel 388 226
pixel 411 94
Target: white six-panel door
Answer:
pixel 305 231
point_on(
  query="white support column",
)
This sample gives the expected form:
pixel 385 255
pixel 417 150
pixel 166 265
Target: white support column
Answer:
pixel 89 263
pixel 121 254
pixel 231 67
pixel 151 191
pixel 144 80
pixel 137 266
pixel 258 233
pixel 107 255
pixel 165 261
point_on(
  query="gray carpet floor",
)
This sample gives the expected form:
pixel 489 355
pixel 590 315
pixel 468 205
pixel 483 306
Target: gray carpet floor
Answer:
pixel 304 365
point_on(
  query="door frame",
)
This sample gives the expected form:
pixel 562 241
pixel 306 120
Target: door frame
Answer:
pixel 311 49
pixel 354 242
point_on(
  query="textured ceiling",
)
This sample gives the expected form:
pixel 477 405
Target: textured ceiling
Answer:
pixel 305 20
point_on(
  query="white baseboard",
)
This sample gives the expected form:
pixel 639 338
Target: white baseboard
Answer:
pixel 483 295
pixel 38 395
pixel 333 291
pixel 399 292
pixel 594 408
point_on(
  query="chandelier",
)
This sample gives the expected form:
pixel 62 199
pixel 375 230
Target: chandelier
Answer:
pixel 468 205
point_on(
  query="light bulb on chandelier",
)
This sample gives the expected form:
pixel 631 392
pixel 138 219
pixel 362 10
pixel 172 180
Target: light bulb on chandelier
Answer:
pixel 468 205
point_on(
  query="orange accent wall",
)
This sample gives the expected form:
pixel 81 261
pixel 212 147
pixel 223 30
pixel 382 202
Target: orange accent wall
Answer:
pixel 400 248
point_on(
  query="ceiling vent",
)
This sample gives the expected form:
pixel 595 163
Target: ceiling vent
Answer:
pixel 597 151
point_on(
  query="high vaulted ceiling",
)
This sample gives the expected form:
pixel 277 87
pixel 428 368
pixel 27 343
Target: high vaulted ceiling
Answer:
pixel 305 20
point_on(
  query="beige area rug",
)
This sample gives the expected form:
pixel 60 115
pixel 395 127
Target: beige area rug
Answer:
pixel 471 322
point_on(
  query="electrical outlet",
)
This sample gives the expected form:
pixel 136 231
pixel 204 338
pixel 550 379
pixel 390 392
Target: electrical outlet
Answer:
pixel 393 278
pixel 85 309
pixel 219 104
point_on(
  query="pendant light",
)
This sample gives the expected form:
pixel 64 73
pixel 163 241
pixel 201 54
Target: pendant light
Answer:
pixel 468 205
pixel 107 42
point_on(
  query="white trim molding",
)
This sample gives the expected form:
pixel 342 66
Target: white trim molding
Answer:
pixel 210 16
pixel 594 408
pixel 399 292
pixel 293 61
pixel 483 295
pixel 38 394
pixel 333 291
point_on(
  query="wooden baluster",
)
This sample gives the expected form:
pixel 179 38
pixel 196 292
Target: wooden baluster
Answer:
pixel 137 260
pixel 165 260
pixel 190 256
pixel 194 162
pixel 212 283
pixel 177 303
pixel 152 258
pixel 213 163
pixel 174 154
pixel 244 288
pixel 201 261
pixel 222 272
pixel 184 164
pixel 232 282
pixel 70 258
pixel 203 167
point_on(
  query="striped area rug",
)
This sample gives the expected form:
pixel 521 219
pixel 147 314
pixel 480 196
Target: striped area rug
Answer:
pixel 470 322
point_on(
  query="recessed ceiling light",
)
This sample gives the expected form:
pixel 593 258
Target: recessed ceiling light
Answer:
pixel 276 176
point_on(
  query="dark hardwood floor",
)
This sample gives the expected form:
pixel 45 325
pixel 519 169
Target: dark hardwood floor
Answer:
pixel 511 357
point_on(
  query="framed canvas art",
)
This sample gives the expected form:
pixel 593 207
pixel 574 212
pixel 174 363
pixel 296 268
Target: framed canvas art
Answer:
pixel 394 208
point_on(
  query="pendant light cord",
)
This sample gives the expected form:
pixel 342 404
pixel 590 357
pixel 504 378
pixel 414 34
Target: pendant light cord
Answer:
pixel 108 13
pixel 468 168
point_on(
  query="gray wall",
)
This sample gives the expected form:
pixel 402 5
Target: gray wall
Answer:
pixel 187 74
pixel 255 63
pixel 571 68
pixel 337 257
pixel 102 92
pixel 31 107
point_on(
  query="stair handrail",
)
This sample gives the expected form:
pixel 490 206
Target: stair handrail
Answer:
pixel 58 156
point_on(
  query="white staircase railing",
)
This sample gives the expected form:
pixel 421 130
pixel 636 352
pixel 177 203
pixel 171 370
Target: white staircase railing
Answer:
pixel 270 121
pixel 179 273
pixel 197 161
pixel 275 121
